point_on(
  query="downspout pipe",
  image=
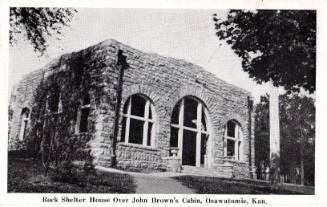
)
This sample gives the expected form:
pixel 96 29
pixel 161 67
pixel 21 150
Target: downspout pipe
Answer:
pixel 121 66
pixel 250 109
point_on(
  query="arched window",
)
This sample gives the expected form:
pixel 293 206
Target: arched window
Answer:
pixel 25 116
pixel 189 131
pixel 54 99
pixel 233 141
pixel 138 125
pixel 83 115
pixel 59 110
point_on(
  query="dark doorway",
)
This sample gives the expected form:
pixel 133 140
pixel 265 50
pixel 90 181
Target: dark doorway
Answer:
pixel 189 148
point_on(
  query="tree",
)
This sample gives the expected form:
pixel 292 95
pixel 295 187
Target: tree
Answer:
pixel 274 45
pixel 261 133
pixel 38 24
pixel 297 117
pixel 297 121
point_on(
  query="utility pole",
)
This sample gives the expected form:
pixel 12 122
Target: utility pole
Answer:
pixel 121 65
pixel 274 136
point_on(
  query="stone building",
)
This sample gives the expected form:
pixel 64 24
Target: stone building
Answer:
pixel 170 110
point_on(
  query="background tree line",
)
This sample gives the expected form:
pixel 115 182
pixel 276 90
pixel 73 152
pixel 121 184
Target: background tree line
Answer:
pixel 297 134
pixel 279 46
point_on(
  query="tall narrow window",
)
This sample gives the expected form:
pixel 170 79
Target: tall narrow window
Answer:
pixel 189 131
pixel 83 115
pixel 59 110
pixel 24 121
pixel 232 141
pixel 138 121
pixel 54 99
pixel 10 114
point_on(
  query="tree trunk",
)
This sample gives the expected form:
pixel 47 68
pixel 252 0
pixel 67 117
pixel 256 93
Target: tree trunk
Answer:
pixel 301 161
pixel 293 172
pixel 302 172
pixel 301 158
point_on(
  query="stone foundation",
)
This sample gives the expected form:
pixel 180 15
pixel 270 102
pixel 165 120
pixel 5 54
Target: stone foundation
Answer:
pixel 239 169
pixel 131 156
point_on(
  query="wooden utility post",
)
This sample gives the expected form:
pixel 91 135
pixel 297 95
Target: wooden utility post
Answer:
pixel 121 66
pixel 274 128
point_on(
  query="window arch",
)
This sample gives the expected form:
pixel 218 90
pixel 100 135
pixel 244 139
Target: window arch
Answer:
pixel 83 115
pixel 138 125
pixel 25 116
pixel 189 131
pixel 233 140
pixel 54 103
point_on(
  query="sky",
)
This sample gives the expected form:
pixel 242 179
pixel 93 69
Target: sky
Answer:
pixel 183 34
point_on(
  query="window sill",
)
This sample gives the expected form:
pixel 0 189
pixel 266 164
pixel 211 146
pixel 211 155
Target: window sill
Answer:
pixel 137 146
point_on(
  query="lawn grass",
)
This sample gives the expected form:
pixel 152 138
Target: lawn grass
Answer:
pixel 214 185
pixel 25 175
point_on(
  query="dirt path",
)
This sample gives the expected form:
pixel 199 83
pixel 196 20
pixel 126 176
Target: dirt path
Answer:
pixel 158 184
pixel 155 183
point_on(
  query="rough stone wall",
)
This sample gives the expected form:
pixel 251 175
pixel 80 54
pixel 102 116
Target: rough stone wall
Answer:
pixel 76 74
pixel 22 95
pixel 239 169
pixel 136 157
pixel 164 81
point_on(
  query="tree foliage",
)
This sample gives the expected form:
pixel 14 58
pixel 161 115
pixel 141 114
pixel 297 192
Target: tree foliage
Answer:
pixel 261 133
pixel 37 24
pixel 277 45
pixel 297 118
pixel 297 136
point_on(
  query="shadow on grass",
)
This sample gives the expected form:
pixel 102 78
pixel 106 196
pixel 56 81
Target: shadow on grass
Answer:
pixel 214 185
pixel 25 175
